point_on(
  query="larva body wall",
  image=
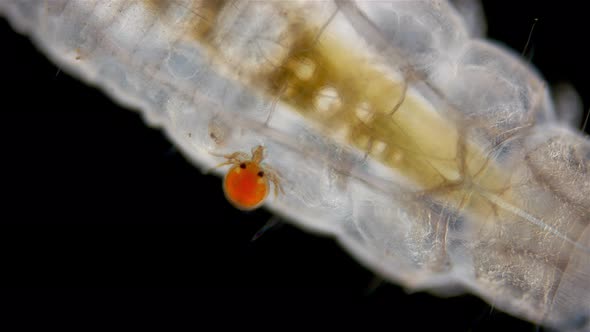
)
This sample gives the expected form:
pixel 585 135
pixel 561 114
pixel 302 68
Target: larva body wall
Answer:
pixel 431 156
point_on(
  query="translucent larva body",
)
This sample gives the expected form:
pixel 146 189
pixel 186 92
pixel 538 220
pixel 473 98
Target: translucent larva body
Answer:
pixel 437 159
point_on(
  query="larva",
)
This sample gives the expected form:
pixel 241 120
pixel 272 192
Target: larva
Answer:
pixel 494 199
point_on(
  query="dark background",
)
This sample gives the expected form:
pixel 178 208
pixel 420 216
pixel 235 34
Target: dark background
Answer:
pixel 100 212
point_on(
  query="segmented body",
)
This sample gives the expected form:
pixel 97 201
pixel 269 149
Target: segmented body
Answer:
pixel 426 154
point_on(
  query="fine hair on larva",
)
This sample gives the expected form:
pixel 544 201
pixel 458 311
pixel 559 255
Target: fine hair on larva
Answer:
pixel 348 168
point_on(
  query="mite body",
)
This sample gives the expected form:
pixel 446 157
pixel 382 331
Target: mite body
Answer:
pixel 246 184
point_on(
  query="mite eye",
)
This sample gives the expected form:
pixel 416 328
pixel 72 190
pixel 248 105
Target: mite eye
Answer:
pixel 242 165
pixel 261 174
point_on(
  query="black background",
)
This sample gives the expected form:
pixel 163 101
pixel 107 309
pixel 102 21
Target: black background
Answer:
pixel 101 214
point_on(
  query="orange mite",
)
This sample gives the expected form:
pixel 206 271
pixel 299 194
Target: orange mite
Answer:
pixel 246 184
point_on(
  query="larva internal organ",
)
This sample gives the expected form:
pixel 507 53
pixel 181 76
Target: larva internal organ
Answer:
pixel 458 185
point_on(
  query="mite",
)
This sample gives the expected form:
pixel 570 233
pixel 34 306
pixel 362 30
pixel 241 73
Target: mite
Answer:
pixel 246 184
